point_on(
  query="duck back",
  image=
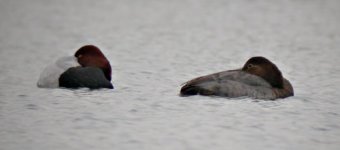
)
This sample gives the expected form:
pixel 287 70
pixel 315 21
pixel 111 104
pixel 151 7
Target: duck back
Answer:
pixel 235 83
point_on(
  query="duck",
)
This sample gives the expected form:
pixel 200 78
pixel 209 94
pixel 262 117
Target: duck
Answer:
pixel 87 68
pixel 259 78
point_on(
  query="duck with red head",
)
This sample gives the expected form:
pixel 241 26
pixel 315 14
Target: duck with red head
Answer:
pixel 259 78
pixel 88 68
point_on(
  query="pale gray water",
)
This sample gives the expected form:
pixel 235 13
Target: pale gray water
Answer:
pixel 154 46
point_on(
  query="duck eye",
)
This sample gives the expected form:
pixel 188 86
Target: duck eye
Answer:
pixel 250 65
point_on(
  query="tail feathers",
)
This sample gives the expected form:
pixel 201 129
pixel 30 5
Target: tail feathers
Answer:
pixel 204 85
pixel 188 90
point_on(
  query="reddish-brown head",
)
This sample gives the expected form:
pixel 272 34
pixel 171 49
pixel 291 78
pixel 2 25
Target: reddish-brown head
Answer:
pixel 264 68
pixel 90 55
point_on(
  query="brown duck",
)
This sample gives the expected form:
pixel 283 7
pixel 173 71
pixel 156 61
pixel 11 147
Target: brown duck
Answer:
pixel 259 78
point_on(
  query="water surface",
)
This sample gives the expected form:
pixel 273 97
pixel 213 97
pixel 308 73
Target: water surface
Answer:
pixel 155 46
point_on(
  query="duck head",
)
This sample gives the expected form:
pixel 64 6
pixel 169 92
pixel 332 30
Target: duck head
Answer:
pixel 91 56
pixel 264 68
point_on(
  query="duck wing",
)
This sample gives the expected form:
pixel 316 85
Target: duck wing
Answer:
pixel 234 83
